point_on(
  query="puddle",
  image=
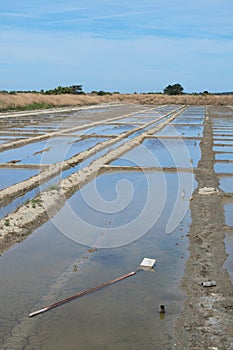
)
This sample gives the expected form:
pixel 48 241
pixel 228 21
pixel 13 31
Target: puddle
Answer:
pixel 39 271
pixel 9 177
pixel 224 168
pixel 228 265
pixel 189 131
pixel 162 153
pixel 228 208
pixel 226 183
pixel 49 151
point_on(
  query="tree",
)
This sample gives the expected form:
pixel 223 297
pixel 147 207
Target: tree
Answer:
pixel 77 89
pixel 175 89
pixel 74 89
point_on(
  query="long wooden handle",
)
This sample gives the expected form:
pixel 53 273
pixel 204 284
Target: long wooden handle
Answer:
pixel 80 294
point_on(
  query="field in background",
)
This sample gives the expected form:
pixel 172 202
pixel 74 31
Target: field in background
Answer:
pixel 37 100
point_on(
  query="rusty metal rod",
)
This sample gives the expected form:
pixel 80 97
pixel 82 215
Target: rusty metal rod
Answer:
pixel 80 294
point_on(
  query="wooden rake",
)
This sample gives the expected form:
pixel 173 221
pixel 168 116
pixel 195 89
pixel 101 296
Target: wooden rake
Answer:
pixel 146 263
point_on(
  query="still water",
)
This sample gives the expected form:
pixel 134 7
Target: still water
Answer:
pixel 48 266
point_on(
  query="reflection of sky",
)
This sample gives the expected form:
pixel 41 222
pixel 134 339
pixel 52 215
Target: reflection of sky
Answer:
pixel 105 130
pixel 224 156
pixel 187 130
pixel 228 208
pixel 224 168
pixel 10 177
pixel 127 204
pixel 48 256
pixel 164 153
pixel 226 183
pixel 58 149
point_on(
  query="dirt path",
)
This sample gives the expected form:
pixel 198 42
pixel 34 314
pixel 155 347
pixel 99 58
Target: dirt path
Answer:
pixel 206 321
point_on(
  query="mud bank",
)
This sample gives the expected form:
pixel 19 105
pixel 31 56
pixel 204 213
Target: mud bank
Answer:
pixel 206 321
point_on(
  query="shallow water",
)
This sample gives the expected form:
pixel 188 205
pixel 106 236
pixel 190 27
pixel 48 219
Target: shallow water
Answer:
pixel 223 142
pixel 229 250
pixel 224 131
pixel 123 316
pixel 152 114
pixel 184 131
pixel 224 168
pixel 223 149
pixel 130 120
pixel 110 129
pixel 9 177
pixel 11 137
pixel 228 208
pixel 224 156
pixel 222 123
pixel 50 151
pixel 163 153
pixel 196 121
pixel 226 183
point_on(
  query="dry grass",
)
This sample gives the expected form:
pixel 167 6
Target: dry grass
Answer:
pixel 24 99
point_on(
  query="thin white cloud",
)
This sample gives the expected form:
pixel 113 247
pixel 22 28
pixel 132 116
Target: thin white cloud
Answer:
pixel 17 15
pixel 155 43
pixel 123 65
pixel 94 18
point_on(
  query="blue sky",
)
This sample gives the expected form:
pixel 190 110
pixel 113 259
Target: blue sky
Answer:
pixel 118 45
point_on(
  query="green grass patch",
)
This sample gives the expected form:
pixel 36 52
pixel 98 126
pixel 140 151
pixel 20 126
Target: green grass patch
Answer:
pixel 7 222
pixel 29 107
pixel 53 188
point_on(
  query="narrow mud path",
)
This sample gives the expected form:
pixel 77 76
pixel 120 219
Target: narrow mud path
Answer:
pixel 206 321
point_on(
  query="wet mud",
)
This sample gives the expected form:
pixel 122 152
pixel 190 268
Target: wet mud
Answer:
pixel 206 321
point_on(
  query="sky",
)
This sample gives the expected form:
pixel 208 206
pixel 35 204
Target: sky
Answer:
pixel 125 45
